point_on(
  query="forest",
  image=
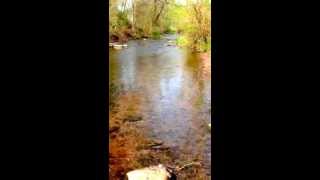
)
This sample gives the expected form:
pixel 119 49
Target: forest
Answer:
pixel 136 19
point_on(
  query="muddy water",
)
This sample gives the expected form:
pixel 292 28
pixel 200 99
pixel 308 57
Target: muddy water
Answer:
pixel 169 88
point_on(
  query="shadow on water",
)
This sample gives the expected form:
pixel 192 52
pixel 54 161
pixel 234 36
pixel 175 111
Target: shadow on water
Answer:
pixel 169 88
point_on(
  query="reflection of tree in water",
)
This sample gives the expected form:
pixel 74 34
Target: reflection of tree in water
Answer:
pixel 201 102
pixel 200 79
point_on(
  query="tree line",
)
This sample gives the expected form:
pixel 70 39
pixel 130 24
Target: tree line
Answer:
pixel 190 19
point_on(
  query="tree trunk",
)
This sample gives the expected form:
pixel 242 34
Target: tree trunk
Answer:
pixel 133 19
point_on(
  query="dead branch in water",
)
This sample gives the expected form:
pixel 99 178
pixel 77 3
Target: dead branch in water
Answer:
pixel 187 165
pixel 177 169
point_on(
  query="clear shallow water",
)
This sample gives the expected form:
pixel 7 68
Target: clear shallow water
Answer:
pixel 174 91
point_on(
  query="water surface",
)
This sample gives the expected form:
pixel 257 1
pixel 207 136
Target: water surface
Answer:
pixel 173 86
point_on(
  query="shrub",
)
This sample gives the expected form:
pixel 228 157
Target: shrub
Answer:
pixel 156 35
pixel 182 41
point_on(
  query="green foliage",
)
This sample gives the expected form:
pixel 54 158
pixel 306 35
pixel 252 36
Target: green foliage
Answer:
pixel 122 19
pixel 176 18
pixel 145 18
pixel 205 46
pixel 182 41
pixel 170 30
pixel 156 35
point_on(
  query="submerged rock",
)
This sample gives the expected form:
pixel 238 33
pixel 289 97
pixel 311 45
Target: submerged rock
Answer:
pixel 117 46
pixel 114 129
pixel 132 118
pixel 155 143
pixel 160 148
pixel 171 43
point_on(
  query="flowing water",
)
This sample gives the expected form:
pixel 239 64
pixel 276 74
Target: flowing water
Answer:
pixel 170 88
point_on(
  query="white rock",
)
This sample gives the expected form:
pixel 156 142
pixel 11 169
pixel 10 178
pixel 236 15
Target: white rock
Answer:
pixel 150 173
pixel 117 47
